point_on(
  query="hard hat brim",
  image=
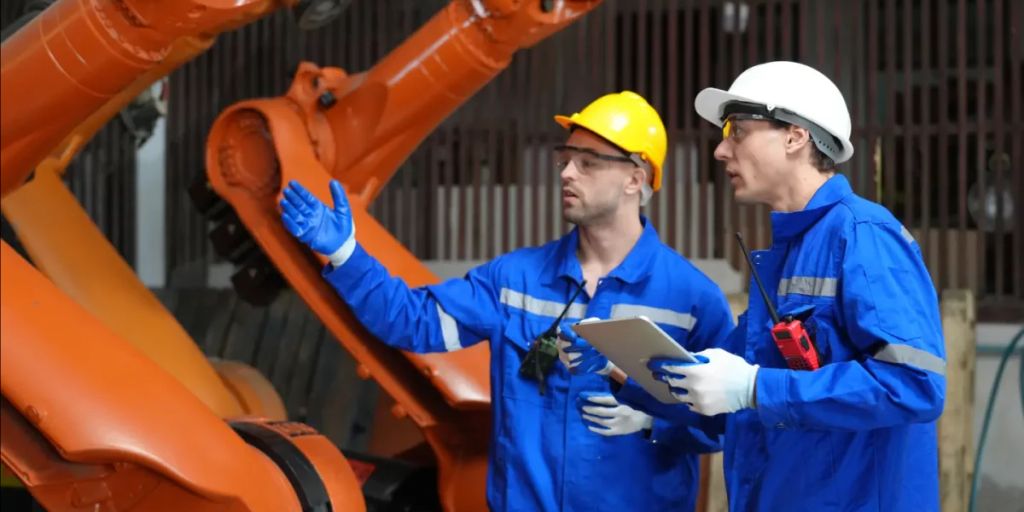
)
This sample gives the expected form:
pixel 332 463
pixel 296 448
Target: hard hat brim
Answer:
pixel 564 121
pixel 710 102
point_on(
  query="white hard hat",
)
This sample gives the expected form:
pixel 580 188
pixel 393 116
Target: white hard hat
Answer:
pixel 790 92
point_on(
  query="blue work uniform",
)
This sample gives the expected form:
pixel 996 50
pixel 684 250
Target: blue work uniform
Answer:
pixel 542 457
pixel 859 433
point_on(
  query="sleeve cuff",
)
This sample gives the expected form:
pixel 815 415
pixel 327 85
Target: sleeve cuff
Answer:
pixel 662 430
pixel 358 264
pixel 772 405
pixel 339 257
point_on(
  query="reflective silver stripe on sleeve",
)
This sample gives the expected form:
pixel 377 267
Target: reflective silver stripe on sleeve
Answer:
pixel 813 286
pixel 657 315
pixel 907 235
pixel 449 330
pixel 910 356
pixel 514 299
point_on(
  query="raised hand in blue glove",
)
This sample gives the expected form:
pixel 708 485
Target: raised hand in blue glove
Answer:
pixel 330 232
pixel 579 356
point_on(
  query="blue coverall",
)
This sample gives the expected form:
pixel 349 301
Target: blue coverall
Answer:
pixel 858 433
pixel 542 457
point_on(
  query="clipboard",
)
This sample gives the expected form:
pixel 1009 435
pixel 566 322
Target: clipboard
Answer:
pixel 630 343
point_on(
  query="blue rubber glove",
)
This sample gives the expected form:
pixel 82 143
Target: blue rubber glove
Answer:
pixel 666 370
pixel 604 415
pixel 579 356
pixel 330 232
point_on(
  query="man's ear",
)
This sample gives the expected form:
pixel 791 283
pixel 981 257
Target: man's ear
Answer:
pixel 797 138
pixel 636 181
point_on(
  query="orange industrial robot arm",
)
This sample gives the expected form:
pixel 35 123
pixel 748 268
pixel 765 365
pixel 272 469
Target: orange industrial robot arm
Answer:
pixel 65 64
pixel 128 436
pixel 358 129
pixel 88 421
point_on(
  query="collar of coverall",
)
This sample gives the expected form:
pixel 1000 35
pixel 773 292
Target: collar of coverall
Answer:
pixel 786 226
pixel 634 268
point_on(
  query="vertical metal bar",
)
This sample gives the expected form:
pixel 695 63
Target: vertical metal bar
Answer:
pixel 980 136
pixel 365 38
pixel 946 277
pixel 463 185
pixel 626 65
pixel 928 125
pixel 508 161
pixel 870 125
pixel 171 164
pixel 749 217
pixel 1016 20
pixel 611 8
pixel 838 24
pixel 534 148
pixel 786 23
pixel 909 124
pixel 656 12
pixel 689 79
pixel 735 63
pixel 410 204
pixel 640 52
pixel 671 13
pixel 519 158
pixel 889 169
pixel 449 193
pixel 434 202
pixel 477 148
pixel 704 45
pixel 961 118
pixel 852 42
pixel 186 250
pixel 489 210
pixel 588 51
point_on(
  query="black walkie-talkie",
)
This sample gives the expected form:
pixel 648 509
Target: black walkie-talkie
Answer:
pixel 544 350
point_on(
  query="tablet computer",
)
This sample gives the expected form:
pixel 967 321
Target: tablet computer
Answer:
pixel 630 343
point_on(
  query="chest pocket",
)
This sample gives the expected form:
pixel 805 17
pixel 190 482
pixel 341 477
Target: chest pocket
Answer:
pixel 520 331
pixel 820 319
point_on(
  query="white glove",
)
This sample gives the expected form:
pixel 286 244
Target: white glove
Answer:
pixel 723 384
pixel 604 415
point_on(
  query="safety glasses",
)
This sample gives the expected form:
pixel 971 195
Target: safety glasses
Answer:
pixel 730 130
pixel 587 159
pixel 740 110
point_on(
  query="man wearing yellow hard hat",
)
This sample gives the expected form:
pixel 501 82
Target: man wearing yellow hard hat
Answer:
pixel 560 439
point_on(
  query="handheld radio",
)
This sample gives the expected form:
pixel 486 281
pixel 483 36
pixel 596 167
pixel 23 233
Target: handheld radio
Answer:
pixel 789 333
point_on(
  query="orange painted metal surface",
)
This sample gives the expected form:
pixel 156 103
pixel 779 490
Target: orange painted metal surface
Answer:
pixel 254 393
pixel 126 425
pixel 82 54
pixel 90 421
pixel 69 249
pixel 358 129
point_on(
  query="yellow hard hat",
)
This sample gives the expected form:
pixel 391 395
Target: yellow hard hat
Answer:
pixel 628 121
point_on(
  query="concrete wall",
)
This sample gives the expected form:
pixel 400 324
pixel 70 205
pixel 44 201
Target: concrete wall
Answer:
pixel 1001 486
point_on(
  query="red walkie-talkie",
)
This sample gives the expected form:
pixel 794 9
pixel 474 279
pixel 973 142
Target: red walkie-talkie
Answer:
pixel 789 333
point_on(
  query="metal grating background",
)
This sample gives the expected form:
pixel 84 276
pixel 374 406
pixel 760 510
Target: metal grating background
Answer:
pixel 935 87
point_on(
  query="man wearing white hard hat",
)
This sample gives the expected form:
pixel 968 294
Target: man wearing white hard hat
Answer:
pixel 854 429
